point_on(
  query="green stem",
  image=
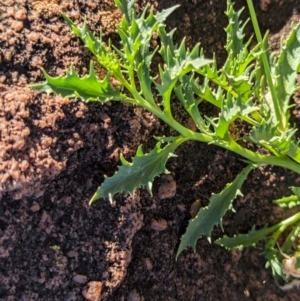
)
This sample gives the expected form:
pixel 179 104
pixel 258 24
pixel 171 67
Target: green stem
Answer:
pixel 282 161
pixel 288 243
pixel 285 201
pixel 281 227
pixel 266 64
pixel 164 116
pixel 229 144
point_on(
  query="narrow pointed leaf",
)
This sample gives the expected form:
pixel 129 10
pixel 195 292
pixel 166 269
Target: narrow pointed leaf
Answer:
pixel 290 201
pixel 241 241
pixel 235 32
pixel 162 16
pixel 185 94
pixel 140 173
pixel 286 72
pixel 210 216
pixel 86 88
pixel 287 246
pixel 273 262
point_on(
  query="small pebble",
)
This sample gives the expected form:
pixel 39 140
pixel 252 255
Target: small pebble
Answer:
pixel 181 207
pixel 159 225
pixel 167 188
pixel 10 11
pixel 46 40
pixel 80 279
pixel 92 291
pixel 71 254
pixel 21 15
pixel 71 297
pixel 17 25
pixel 104 117
pixel 149 264
pixel 35 207
pixel 33 36
pixel 195 208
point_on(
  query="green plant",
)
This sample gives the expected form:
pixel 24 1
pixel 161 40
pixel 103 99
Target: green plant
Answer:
pixel 252 85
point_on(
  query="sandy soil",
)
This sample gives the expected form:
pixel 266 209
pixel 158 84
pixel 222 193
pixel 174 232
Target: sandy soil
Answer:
pixel 54 153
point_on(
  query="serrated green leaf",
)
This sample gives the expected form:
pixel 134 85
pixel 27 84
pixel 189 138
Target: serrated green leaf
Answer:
pixel 185 94
pixel 235 32
pixel 239 57
pixel 178 62
pixel 233 81
pixel 231 110
pixel 169 76
pixel 126 7
pixel 210 216
pixel 267 135
pixel 241 85
pixel 136 32
pixel 263 133
pixel 284 143
pixel 296 190
pixel 290 201
pixel 237 67
pixel 86 88
pixel 143 73
pixel 103 53
pixel 204 91
pixel 270 234
pixel 285 72
pixel 140 173
pixel 273 262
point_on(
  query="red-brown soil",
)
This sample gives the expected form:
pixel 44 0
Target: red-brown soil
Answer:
pixel 54 153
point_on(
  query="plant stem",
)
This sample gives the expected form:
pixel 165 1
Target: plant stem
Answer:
pixel 165 116
pixel 266 65
pixel 288 244
pixel 284 202
pixel 282 161
pixel 282 226
pixel 232 145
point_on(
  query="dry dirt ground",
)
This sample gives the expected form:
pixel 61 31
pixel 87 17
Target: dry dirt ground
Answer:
pixel 54 153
